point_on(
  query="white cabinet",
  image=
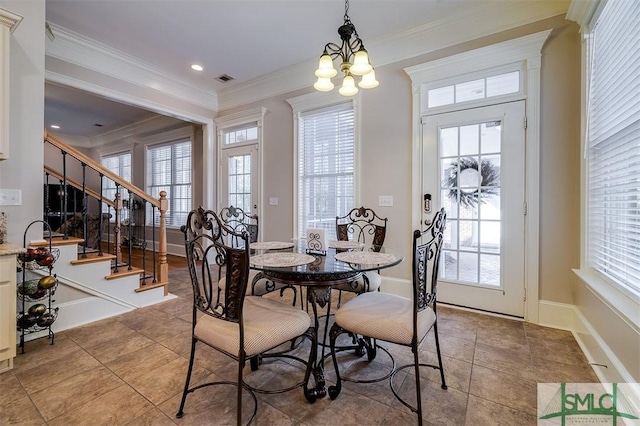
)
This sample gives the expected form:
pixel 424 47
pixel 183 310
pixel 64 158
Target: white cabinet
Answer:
pixel 8 305
pixel 8 22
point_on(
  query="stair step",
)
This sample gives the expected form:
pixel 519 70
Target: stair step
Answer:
pixel 57 241
pixel 150 286
pixel 92 258
pixel 124 272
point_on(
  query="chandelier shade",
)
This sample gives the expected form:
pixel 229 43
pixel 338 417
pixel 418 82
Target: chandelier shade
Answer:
pixel 354 61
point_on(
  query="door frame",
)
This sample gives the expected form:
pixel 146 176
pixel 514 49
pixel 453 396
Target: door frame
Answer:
pixel 507 296
pixel 253 115
pixel 526 53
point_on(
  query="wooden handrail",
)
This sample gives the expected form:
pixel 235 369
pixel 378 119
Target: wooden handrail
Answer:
pixel 161 203
pixel 77 185
pixel 99 168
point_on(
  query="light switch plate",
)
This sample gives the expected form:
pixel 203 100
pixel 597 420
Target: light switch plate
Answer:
pixel 10 197
pixel 385 200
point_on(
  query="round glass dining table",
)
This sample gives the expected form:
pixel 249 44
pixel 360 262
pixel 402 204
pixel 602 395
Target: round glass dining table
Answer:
pixel 290 263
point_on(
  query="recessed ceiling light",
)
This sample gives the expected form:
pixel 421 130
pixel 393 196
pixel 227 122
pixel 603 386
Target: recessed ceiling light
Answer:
pixel 55 126
pixel 196 67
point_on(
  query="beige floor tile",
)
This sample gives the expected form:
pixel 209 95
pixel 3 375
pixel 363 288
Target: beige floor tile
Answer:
pixel 80 389
pixel 482 412
pixel 509 339
pixel 97 332
pixel 142 361
pixel 41 351
pixel 108 350
pixel 116 407
pixel 21 412
pixel 50 373
pixel 153 417
pixel 506 361
pixel 550 334
pixel 349 408
pixel 11 388
pixel 566 352
pixel 451 346
pixel 166 381
pixel 504 389
pixel 557 372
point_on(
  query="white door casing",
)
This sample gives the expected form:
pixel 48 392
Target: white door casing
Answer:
pixel 474 166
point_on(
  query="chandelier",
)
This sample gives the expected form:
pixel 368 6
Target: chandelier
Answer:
pixel 349 50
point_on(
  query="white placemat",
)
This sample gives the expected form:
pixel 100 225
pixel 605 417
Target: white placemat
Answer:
pixel 270 245
pixel 366 257
pixel 281 260
pixel 345 244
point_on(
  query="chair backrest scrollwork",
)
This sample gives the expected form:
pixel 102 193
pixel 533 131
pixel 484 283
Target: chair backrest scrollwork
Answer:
pixel 363 225
pixel 238 220
pixel 207 249
pixel 427 246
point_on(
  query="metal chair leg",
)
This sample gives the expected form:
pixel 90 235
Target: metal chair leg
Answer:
pixel 180 412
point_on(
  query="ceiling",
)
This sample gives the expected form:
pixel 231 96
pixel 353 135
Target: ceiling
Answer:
pixel 241 38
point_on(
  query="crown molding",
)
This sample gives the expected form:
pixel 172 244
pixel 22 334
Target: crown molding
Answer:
pixel 470 22
pixel 581 11
pixel 82 51
pixel 9 19
pixel 134 133
pixel 510 51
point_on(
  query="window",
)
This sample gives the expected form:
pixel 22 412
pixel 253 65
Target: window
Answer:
pixel 613 146
pixel 242 134
pixel 465 91
pixel 169 169
pixel 119 164
pixel 325 167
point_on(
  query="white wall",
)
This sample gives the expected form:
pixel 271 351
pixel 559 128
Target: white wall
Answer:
pixel 23 169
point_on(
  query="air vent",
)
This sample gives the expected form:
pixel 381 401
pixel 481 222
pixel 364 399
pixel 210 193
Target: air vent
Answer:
pixel 224 78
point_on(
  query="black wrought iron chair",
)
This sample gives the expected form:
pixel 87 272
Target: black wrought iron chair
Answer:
pixel 397 319
pixel 364 226
pixel 238 220
pixel 241 327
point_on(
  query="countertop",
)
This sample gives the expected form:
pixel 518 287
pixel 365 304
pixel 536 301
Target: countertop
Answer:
pixel 8 249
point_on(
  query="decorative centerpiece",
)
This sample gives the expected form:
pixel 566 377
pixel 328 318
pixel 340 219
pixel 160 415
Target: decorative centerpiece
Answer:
pixel 316 241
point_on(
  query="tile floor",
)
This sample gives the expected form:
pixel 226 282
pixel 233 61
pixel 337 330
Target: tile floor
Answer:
pixel 130 370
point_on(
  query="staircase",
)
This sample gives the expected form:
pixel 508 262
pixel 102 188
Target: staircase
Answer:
pixel 93 284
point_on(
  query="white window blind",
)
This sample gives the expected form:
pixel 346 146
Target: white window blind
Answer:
pixel 119 164
pixel 613 141
pixel 326 167
pixel 169 169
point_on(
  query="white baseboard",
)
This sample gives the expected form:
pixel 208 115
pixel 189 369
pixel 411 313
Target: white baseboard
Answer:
pixel 604 361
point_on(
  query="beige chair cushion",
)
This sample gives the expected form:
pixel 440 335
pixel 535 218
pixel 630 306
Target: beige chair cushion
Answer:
pixel 384 316
pixel 267 324
pixel 358 286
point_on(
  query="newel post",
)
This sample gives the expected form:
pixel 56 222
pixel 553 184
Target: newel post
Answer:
pixel 162 248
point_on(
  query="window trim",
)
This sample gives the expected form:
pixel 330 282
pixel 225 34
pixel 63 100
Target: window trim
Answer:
pixel 170 138
pixel 315 101
pixel 620 300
